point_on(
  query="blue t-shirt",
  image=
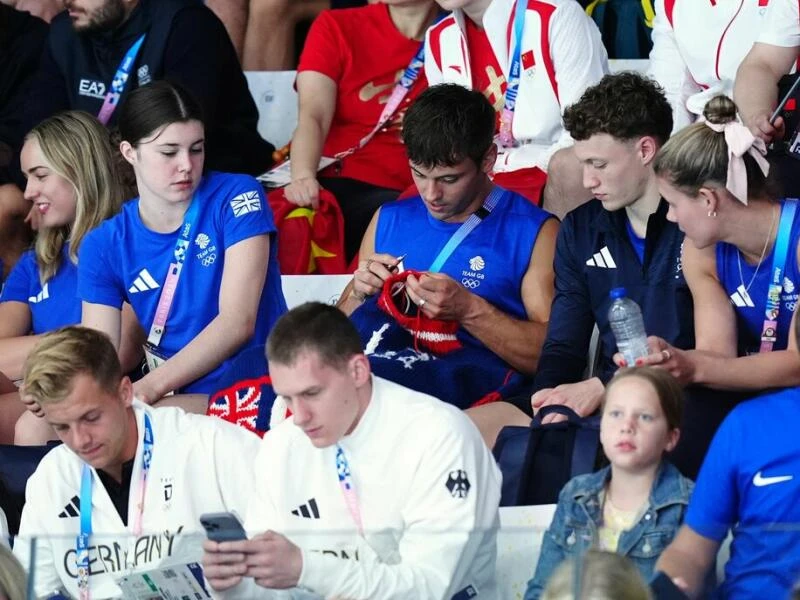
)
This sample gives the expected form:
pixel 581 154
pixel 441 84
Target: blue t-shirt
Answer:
pixel 54 304
pixel 750 304
pixel 750 483
pixel 490 262
pixel 636 241
pixel 124 261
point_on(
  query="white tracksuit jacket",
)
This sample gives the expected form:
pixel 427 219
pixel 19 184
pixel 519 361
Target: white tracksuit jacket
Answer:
pixel 428 489
pixel 697 48
pixel 200 464
pixel 567 57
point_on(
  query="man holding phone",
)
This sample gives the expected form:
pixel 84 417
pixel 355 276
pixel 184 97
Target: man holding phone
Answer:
pixel 129 481
pixel 371 490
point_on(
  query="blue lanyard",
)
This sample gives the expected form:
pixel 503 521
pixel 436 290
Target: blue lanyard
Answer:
pixel 348 489
pixel 514 71
pixel 174 273
pixel 82 541
pixel 399 92
pixel 769 331
pixel 418 62
pixel 466 228
pixel 120 81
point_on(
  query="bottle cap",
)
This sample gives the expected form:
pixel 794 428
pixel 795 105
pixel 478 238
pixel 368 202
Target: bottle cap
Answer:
pixel 618 292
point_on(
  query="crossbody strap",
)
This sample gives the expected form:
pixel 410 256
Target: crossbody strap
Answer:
pixel 173 274
pixel 769 331
pixel 466 228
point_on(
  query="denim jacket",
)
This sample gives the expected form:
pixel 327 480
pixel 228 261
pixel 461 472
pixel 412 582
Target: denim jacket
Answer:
pixel 579 514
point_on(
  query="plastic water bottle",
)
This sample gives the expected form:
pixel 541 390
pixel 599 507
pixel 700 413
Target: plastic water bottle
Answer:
pixel 625 318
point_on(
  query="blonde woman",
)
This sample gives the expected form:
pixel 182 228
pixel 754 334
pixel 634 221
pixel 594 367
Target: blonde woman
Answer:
pixel 72 184
pixel 601 576
pixel 739 257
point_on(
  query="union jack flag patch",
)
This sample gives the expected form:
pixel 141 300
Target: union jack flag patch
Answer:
pixel 240 404
pixel 246 203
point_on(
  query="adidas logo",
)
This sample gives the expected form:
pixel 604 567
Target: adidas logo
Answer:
pixel 143 283
pixel 43 295
pixel 602 259
pixel 741 298
pixel 73 509
pixel 308 510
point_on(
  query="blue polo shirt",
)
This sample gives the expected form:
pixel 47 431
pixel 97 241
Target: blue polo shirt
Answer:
pixel 750 484
pixel 54 304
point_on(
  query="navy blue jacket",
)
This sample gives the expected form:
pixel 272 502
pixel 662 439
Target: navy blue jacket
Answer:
pixel 21 40
pixel 186 43
pixel 594 255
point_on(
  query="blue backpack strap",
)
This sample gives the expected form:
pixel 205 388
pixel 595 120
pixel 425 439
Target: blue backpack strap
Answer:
pixel 584 452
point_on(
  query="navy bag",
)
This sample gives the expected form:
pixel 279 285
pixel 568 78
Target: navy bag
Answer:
pixel 537 461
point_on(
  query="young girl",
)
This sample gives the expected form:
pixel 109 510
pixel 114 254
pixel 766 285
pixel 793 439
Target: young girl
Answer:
pixel 72 184
pixel 634 506
pixel 191 254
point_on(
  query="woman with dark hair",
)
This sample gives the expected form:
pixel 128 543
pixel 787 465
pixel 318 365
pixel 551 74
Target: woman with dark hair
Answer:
pixel 739 257
pixel 191 254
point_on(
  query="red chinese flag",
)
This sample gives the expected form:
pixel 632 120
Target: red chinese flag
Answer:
pixel 528 60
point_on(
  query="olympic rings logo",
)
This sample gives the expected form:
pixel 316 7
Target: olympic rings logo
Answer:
pixel 209 260
pixel 470 283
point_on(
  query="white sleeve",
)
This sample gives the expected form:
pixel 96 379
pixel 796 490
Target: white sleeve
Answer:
pixel 668 68
pixel 781 26
pixel 444 530
pixel 234 452
pixel 260 515
pixel 579 61
pixel 43 571
pixel 432 71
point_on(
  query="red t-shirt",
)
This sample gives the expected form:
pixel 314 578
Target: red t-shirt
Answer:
pixel 488 78
pixel 365 54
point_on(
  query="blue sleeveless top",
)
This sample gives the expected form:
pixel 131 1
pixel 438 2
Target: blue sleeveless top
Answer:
pixel 750 304
pixel 490 262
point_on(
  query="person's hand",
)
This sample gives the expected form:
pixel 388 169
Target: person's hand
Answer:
pixel 679 363
pixel 583 397
pixel 34 218
pixel 762 128
pixel 440 296
pixel 223 564
pixel 30 402
pixel 372 273
pixel 273 561
pixel 303 192
pixel 147 390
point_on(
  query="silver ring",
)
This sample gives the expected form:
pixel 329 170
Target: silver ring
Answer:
pixel 369 262
pixel 422 302
pixel 666 354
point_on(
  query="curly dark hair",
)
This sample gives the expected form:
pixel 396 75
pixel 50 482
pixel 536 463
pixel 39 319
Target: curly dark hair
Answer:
pixel 625 105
